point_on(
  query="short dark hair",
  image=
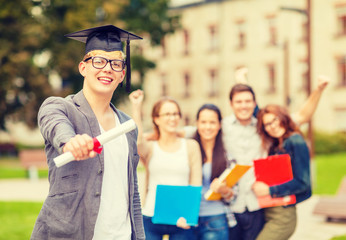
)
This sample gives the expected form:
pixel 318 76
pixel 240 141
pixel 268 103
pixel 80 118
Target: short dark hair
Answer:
pixel 241 88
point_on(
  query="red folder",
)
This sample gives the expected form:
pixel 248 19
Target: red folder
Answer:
pixel 274 170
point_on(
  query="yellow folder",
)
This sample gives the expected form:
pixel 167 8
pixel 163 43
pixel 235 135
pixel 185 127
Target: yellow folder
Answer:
pixel 231 177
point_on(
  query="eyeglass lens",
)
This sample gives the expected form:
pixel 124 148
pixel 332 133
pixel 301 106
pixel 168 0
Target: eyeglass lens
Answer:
pixel 100 62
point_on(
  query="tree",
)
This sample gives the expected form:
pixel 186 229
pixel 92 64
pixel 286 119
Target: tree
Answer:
pixel 33 46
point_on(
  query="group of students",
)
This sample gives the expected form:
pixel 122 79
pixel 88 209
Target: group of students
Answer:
pixel 98 198
pixel 241 138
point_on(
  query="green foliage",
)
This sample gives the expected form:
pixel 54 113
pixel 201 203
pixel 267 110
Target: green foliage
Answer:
pixel 330 143
pixel 31 28
pixel 18 219
pixel 154 14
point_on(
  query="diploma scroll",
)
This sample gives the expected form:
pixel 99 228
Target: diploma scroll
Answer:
pixel 99 141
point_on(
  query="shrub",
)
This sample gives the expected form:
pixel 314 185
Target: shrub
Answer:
pixel 329 142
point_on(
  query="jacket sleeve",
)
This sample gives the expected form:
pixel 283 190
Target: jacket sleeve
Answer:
pixel 300 159
pixel 54 124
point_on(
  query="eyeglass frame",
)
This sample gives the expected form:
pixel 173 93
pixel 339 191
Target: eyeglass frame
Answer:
pixel 167 115
pixel 276 120
pixel 108 61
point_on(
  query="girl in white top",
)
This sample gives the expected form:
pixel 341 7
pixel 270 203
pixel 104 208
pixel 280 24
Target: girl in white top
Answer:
pixel 169 160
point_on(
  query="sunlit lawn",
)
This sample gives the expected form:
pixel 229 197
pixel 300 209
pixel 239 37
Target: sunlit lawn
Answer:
pixel 17 218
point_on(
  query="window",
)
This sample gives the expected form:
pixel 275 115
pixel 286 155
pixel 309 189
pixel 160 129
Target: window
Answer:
pixel 214 41
pixel 212 83
pixel 341 19
pixel 163 47
pixel 342 25
pixel 272 31
pixel 186 42
pixel 303 69
pixel 271 78
pixel 241 34
pixel 340 116
pixel 305 32
pixel 187 83
pixel 164 87
pixel 341 62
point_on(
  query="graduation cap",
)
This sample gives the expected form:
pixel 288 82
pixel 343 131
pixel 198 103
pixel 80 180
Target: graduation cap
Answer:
pixel 107 38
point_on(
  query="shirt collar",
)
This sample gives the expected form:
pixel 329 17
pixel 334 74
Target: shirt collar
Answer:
pixel 234 120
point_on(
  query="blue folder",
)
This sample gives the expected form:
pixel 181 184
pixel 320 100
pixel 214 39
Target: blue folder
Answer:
pixel 173 202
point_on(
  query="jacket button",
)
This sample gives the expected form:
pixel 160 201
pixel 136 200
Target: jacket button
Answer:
pixel 99 171
pixel 97 194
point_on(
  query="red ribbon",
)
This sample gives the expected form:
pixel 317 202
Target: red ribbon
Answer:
pixel 97 146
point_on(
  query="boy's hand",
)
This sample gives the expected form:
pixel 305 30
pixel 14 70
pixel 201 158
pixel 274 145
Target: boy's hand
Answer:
pixel 81 147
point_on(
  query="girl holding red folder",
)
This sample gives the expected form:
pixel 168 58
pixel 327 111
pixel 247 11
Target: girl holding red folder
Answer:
pixel 280 135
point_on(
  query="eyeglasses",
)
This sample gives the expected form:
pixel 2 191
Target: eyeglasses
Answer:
pixel 167 115
pixel 101 62
pixel 274 122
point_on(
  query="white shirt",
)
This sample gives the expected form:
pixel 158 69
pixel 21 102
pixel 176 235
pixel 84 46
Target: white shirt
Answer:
pixel 244 144
pixel 166 168
pixel 113 220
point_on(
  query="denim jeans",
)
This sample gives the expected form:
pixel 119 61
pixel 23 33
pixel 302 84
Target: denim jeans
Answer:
pixel 212 228
pixel 249 225
pixel 157 231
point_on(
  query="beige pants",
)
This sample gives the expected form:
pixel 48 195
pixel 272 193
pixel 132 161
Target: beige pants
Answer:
pixel 280 223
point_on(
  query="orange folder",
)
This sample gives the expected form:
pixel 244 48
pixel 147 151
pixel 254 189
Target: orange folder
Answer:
pixel 274 170
pixel 231 176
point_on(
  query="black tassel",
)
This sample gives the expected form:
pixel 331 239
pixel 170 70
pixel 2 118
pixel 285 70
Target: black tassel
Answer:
pixel 128 66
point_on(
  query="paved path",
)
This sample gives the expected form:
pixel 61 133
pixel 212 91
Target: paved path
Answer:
pixel 310 227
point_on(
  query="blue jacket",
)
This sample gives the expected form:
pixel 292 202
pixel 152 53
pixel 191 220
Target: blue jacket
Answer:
pixel 73 201
pixel 300 185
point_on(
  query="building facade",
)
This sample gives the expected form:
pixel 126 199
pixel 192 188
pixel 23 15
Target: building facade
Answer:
pixel 197 63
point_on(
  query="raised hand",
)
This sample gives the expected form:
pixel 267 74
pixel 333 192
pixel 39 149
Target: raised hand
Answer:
pixel 136 97
pixel 322 82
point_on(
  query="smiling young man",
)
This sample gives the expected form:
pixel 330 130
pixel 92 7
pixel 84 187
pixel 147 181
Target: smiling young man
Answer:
pixel 244 144
pixel 96 196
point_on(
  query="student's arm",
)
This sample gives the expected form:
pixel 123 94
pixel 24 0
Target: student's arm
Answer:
pixel 195 162
pixel 306 112
pixel 136 99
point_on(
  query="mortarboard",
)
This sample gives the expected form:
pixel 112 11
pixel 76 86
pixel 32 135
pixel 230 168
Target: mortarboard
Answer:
pixel 107 38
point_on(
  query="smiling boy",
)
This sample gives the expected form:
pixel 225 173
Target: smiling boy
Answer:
pixel 96 196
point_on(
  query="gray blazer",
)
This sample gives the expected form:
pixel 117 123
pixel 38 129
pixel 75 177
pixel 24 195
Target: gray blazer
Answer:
pixel 72 205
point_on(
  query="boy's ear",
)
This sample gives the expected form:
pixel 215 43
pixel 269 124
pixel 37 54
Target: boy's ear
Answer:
pixel 81 68
pixel 123 76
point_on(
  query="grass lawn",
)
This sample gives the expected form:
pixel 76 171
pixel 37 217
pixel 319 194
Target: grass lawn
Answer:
pixel 330 169
pixel 339 238
pixel 10 168
pixel 18 219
